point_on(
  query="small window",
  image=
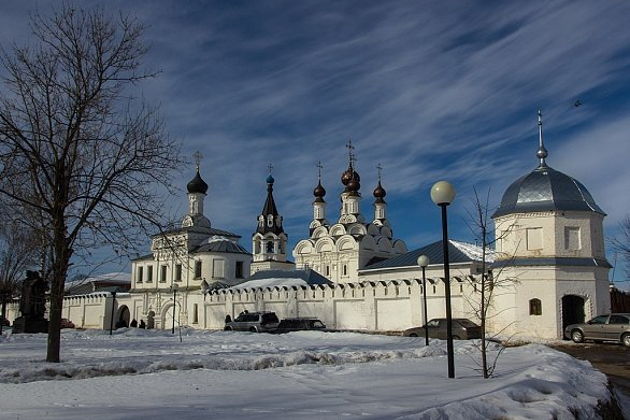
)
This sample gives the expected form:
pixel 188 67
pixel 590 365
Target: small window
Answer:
pixel 269 247
pixel 139 275
pixel 150 274
pixel 178 272
pixel 197 269
pixel 619 320
pixel 599 319
pixel 238 272
pixel 163 273
pixel 345 270
pixel 195 314
pixel 534 239
pixel 433 323
pixel 572 238
pixel 218 269
pixel 535 307
pixel 328 270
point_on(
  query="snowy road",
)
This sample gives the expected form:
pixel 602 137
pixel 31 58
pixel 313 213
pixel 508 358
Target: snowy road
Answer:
pixel 307 375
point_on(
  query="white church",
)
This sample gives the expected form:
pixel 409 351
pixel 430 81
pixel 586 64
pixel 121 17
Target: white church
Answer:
pixel 352 272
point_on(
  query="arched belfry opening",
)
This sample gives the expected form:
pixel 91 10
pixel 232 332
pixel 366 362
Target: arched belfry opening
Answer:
pixel 572 310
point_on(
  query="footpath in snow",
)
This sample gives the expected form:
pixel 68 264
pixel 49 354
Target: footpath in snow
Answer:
pixel 140 374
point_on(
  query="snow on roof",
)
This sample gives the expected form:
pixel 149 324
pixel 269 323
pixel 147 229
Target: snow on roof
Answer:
pixel 473 251
pixel 119 277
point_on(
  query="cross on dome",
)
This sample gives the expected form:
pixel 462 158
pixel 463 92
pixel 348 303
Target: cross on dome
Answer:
pixel 542 153
pixel 198 156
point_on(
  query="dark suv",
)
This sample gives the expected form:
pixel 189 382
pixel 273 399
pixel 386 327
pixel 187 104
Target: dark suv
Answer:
pixel 254 322
pixel 299 324
pixel 463 329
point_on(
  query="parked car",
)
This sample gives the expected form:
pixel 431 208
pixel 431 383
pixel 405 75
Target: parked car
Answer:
pixel 463 329
pixel 254 322
pixel 66 323
pixel 299 324
pixel 611 327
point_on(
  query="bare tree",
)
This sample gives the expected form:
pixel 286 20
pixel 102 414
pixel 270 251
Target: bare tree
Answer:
pixel 77 148
pixel 18 249
pixel 622 242
pixel 492 279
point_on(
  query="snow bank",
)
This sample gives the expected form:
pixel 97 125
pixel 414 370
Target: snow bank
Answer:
pixel 558 387
pixel 306 375
pixel 94 353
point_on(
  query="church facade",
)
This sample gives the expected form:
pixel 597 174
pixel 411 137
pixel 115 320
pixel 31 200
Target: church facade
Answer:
pixel 548 270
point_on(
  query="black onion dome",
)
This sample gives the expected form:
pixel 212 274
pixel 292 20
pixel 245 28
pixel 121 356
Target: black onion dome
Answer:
pixel 319 190
pixel 346 176
pixel 351 179
pixel 379 191
pixel 197 185
pixel 545 189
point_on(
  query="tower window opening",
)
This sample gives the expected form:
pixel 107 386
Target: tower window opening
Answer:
pixel 269 247
pixel 535 307
pixel 163 273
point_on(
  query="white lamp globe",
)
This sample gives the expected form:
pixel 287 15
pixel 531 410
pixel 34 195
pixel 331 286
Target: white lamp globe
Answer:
pixel 443 192
pixel 423 261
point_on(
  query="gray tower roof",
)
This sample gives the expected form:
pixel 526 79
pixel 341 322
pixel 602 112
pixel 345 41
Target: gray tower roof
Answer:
pixel 545 189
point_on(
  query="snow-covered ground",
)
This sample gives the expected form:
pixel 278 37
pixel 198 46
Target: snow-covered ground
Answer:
pixel 151 374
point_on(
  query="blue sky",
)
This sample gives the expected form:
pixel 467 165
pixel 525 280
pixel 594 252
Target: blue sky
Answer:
pixel 431 90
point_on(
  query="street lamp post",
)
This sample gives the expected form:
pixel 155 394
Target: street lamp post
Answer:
pixel 111 321
pixel 423 262
pixel 174 288
pixel 442 194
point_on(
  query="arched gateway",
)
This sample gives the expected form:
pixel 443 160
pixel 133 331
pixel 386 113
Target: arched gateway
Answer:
pixel 572 310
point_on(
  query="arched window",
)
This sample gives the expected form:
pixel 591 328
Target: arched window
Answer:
pixel 195 313
pixel 270 247
pixel 535 307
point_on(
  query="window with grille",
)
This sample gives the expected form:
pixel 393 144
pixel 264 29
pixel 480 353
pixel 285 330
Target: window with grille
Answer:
pixel 535 307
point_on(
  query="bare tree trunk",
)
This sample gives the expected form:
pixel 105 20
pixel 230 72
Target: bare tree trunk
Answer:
pixel 4 313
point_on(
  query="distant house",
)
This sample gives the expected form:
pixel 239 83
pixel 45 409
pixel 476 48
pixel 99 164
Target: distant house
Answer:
pixel 110 282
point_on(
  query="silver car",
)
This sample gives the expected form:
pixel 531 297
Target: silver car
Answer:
pixel 611 327
pixel 254 322
pixel 463 329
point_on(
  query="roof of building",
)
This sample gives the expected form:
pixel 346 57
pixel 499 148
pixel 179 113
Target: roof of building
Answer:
pixel 265 278
pixel 560 261
pixel 197 185
pixel 458 252
pixel 116 281
pixel 220 244
pixel 269 209
pixel 545 189
pixel 197 229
